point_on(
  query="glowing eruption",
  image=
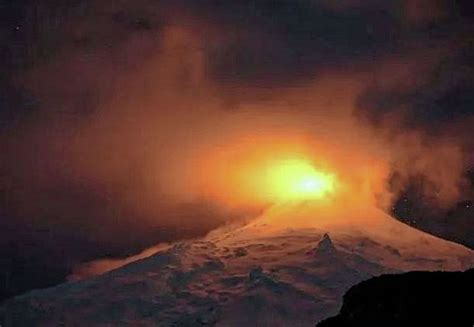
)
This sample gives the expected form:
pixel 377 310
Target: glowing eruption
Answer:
pixel 297 179
pixel 268 171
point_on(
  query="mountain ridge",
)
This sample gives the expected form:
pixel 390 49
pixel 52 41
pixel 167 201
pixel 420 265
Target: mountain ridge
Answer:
pixel 264 273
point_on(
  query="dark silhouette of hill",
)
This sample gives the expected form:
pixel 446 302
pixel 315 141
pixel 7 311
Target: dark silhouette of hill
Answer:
pixel 411 299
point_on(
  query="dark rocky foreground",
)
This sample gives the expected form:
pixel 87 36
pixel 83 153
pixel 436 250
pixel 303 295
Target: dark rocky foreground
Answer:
pixel 411 299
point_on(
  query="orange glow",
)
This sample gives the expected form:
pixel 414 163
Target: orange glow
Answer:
pixel 295 179
pixel 267 171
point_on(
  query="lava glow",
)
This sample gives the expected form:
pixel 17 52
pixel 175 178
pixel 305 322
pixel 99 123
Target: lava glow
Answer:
pixel 296 179
pixel 268 171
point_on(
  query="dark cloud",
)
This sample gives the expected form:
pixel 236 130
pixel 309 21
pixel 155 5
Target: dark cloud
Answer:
pixel 266 42
pixel 436 99
pixel 453 223
pixel 281 42
pixel 444 96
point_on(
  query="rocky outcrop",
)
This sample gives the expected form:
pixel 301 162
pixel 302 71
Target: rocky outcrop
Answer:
pixel 326 245
pixel 410 299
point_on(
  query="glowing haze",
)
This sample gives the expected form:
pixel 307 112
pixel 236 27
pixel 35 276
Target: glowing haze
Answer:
pixel 166 139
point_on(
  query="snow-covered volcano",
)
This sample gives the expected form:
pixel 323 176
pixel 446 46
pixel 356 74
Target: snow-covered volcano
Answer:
pixel 287 268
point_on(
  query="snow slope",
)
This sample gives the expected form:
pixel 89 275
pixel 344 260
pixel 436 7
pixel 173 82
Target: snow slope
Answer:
pixel 266 273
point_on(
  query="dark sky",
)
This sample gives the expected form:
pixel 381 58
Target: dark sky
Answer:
pixel 61 61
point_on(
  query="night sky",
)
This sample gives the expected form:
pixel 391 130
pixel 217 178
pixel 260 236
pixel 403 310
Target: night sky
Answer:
pixel 73 183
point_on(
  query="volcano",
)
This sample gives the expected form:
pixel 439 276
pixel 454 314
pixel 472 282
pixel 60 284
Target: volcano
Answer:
pixel 286 268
